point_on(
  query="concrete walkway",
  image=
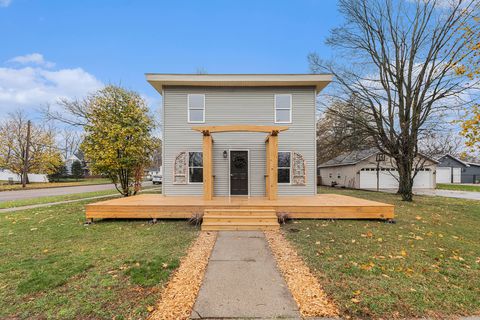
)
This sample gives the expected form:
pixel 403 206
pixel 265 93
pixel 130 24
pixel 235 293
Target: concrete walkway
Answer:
pixel 472 195
pixel 242 281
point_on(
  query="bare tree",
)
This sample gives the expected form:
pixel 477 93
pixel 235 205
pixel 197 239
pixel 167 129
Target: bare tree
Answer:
pixel 336 135
pixel 70 112
pixel 437 144
pixel 70 142
pixel 401 61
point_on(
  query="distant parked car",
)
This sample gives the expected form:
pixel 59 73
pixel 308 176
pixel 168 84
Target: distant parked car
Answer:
pixel 157 179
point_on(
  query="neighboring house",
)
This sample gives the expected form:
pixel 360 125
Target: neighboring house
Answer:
pixel 8 176
pixel 69 162
pixel 243 122
pixel 453 170
pixel 358 170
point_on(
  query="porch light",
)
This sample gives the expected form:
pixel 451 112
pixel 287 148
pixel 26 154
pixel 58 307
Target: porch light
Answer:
pixel 224 154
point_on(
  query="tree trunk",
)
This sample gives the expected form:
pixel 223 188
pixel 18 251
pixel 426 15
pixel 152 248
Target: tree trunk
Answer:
pixel 405 181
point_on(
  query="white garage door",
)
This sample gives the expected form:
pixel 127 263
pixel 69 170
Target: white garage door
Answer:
pixel 388 179
pixel 457 175
pixel 444 175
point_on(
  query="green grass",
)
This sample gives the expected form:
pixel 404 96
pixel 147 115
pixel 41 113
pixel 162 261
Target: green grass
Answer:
pixel 458 187
pixel 62 183
pixel 54 267
pixel 427 264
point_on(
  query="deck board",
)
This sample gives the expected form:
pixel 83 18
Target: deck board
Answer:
pixel 322 206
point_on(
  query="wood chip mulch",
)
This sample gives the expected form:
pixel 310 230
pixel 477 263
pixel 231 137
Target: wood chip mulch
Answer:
pixel 304 286
pixel 179 296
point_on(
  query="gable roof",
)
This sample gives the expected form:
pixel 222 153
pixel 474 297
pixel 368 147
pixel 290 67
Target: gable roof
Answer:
pixel 356 156
pixel 466 164
pixel 159 80
pixel 350 158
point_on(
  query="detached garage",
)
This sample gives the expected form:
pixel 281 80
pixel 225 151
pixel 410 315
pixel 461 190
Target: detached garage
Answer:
pixel 358 170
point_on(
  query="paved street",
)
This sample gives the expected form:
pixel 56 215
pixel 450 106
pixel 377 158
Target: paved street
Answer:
pixel 36 193
pixel 440 193
pixel 449 193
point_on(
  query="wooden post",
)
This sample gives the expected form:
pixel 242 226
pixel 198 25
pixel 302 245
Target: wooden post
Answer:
pixel 207 166
pixel 267 169
pixel 273 161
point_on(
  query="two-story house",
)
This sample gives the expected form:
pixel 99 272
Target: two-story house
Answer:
pixel 239 151
pixel 242 108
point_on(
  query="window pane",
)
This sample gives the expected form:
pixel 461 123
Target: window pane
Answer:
pixel 284 159
pixel 196 101
pixel 195 159
pixel 196 174
pixel 283 116
pixel 282 101
pixel 283 175
pixel 196 115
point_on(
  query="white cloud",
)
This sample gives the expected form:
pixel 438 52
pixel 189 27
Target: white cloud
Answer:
pixel 5 3
pixel 29 88
pixel 32 59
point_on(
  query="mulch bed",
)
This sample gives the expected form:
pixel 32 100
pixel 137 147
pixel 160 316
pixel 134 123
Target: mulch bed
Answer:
pixel 304 286
pixel 179 296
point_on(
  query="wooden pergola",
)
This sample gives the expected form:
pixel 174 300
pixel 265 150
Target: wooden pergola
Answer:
pixel 271 145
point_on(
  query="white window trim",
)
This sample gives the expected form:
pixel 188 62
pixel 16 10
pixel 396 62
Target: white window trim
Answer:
pixel 188 108
pixel 275 107
pixel 188 166
pixel 286 183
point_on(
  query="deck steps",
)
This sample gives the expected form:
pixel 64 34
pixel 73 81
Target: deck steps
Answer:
pixel 240 219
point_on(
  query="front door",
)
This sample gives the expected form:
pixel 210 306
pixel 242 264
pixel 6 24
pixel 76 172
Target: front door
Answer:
pixel 239 173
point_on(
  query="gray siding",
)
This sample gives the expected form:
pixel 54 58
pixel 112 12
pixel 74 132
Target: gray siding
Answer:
pixel 469 174
pixel 229 106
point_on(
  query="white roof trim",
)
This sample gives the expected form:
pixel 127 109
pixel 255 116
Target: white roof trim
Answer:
pixel 159 80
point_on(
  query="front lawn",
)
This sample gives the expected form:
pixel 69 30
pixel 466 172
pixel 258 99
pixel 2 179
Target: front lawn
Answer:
pixel 458 187
pixel 52 266
pixel 427 264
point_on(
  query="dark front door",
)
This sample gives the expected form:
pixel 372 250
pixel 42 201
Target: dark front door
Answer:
pixel 239 172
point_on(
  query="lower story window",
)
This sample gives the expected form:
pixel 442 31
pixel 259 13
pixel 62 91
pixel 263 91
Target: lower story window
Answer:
pixel 195 167
pixel 284 165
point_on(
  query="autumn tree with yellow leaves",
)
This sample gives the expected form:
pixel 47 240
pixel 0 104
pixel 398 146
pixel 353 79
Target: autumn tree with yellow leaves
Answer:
pixel 471 69
pixel 118 138
pixel 27 148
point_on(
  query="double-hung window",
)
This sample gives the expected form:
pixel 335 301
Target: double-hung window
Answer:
pixel 196 108
pixel 283 108
pixel 284 167
pixel 195 167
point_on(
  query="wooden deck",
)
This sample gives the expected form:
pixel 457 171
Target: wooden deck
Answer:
pixel 322 206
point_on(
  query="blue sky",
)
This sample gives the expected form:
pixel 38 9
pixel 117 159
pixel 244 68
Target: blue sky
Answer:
pixel 60 48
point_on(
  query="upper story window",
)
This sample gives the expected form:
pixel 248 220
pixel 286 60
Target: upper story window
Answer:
pixel 195 167
pixel 283 108
pixel 284 167
pixel 196 108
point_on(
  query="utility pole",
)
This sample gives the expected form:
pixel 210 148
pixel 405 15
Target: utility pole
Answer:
pixel 25 160
pixel 378 158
